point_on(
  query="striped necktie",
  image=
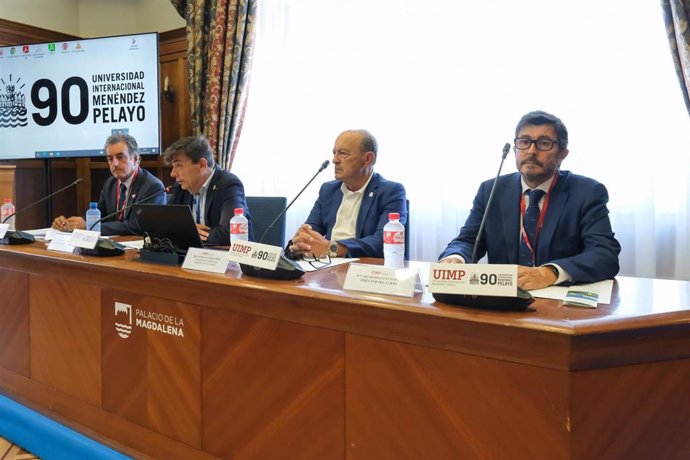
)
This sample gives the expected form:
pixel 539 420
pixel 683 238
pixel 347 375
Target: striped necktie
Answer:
pixel 121 201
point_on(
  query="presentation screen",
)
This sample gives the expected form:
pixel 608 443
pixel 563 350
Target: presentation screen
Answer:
pixel 63 99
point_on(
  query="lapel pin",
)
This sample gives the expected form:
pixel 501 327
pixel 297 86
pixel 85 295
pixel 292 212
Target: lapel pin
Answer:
pixel 214 188
pixel 371 194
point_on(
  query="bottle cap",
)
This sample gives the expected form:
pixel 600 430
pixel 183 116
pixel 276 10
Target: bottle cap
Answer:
pixel 93 204
pixel 239 211
pixel 393 216
pixel 8 200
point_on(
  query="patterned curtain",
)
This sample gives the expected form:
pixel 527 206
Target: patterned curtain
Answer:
pixel 220 39
pixel 676 17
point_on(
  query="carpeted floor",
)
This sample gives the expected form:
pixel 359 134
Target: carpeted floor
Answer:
pixel 9 451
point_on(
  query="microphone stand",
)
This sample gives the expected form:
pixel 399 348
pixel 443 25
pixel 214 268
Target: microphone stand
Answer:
pixel 475 248
pixel 488 302
pixel 129 206
pixel 286 269
pixel 106 247
pixel 323 166
pixel 19 237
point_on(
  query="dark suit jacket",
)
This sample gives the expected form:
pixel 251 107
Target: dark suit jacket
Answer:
pixel 146 184
pixel 380 197
pixel 225 193
pixel 576 233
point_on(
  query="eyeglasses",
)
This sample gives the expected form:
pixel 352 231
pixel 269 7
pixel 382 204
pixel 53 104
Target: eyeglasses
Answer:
pixel 543 143
pixel 318 262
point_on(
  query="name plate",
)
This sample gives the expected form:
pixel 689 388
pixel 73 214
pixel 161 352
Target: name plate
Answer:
pixel 380 280
pixel 86 239
pixel 59 241
pixel 474 279
pixel 206 260
pixel 255 254
pixel 3 229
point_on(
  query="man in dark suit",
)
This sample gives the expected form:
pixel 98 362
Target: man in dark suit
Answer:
pixel 211 192
pixel 571 240
pixel 128 184
pixel 348 217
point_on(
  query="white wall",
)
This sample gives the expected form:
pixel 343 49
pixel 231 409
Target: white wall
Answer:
pixel 94 18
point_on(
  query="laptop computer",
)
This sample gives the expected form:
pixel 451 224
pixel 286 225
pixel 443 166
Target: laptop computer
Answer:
pixel 171 224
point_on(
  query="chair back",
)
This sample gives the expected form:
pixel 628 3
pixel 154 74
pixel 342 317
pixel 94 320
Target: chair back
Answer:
pixel 264 210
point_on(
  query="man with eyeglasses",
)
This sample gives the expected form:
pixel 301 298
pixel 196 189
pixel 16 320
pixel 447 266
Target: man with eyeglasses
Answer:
pixel 348 217
pixel 565 236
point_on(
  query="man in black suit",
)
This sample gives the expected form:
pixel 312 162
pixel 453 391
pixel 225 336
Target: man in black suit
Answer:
pixel 129 184
pixel 211 192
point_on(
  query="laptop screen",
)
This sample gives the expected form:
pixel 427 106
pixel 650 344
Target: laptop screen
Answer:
pixel 173 222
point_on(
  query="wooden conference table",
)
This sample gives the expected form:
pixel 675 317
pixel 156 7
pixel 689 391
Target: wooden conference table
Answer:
pixel 166 363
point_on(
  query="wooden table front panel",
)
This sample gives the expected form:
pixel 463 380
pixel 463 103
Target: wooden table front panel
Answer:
pixel 407 401
pixel 632 412
pixel 65 330
pixel 14 321
pixel 152 375
pixel 271 389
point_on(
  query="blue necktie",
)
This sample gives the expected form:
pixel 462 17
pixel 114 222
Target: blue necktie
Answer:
pixel 529 221
pixel 197 205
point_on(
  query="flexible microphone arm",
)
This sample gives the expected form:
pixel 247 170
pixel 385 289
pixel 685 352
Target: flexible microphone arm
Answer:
pixel 522 298
pixel 146 198
pixel 323 166
pixel 506 149
pixel 76 182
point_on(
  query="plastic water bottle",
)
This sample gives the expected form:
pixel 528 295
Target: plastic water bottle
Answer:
pixel 394 242
pixel 92 216
pixel 8 210
pixel 239 227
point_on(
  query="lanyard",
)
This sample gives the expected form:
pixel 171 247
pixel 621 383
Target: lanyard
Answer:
pixel 121 210
pixel 540 222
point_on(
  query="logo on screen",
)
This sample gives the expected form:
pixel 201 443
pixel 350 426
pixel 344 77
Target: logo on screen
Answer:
pixel 51 47
pixel 65 46
pixel 12 104
pixel 2 51
pixel 123 319
pixel 13 51
pixel 25 49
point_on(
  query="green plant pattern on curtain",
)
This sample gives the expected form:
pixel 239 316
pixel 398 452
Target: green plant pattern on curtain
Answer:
pixel 220 39
pixel 676 18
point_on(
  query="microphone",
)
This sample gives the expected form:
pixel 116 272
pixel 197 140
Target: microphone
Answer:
pixel 323 166
pixel 18 237
pixel 475 248
pixel 105 247
pixel 286 269
pixel 129 206
pixel 489 302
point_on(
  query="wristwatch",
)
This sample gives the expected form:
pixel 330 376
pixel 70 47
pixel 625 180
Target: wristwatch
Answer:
pixel 333 249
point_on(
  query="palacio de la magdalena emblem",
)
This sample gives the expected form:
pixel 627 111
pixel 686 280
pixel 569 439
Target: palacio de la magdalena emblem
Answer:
pixel 123 319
